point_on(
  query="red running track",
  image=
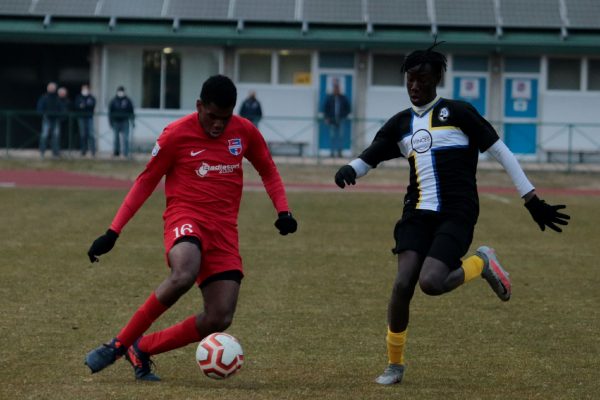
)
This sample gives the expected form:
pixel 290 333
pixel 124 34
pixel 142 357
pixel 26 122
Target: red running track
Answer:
pixel 66 179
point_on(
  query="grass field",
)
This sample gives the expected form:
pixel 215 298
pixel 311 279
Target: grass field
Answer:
pixel 311 315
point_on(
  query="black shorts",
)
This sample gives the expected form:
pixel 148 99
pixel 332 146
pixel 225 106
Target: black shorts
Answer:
pixel 432 235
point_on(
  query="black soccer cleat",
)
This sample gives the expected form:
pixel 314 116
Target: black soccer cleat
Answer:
pixel 141 363
pixel 105 355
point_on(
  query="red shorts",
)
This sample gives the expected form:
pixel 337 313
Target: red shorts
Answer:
pixel 219 242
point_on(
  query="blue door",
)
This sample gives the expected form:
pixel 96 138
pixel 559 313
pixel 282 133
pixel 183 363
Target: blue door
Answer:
pixel 520 137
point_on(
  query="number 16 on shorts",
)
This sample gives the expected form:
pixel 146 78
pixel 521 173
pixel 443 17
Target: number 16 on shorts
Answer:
pixel 183 230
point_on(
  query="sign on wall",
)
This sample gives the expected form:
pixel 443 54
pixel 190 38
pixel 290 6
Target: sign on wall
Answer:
pixel 520 98
pixel 302 78
pixel 471 89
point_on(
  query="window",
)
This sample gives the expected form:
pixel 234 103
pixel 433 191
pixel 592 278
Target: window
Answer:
pixel 470 63
pixel 172 81
pixel 255 67
pixel 564 74
pixel 386 70
pixel 336 60
pixel 522 64
pixel 594 74
pixel 151 79
pixel 294 68
pixel 161 77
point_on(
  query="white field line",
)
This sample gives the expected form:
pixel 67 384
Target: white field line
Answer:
pixel 495 197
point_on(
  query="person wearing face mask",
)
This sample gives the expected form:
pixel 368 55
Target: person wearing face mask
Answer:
pixel 85 104
pixel 120 115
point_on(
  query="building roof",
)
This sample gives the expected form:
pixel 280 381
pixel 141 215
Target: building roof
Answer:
pixel 499 25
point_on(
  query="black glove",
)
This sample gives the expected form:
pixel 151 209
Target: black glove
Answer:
pixel 102 245
pixel 345 176
pixel 546 215
pixel 286 223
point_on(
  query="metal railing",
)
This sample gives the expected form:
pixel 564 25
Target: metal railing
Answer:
pixel 563 146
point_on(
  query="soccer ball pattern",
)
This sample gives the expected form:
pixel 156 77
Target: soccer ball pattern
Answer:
pixel 219 355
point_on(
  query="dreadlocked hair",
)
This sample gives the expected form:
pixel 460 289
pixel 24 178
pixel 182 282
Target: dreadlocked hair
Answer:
pixel 421 57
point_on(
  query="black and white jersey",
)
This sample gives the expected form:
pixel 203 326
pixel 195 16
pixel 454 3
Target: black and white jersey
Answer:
pixel 442 146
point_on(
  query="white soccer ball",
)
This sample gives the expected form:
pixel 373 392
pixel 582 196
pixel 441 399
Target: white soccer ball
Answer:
pixel 219 355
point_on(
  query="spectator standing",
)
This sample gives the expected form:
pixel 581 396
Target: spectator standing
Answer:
pixel 63 96
pixel 85 104
pixel 120 114
pixel 336 110
pixel 50 106
pixel 251 109
pixel 65 118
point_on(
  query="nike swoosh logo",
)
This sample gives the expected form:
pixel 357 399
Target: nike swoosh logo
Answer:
pixel 195 153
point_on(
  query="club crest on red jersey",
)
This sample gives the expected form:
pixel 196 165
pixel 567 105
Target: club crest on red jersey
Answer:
pixel 235 146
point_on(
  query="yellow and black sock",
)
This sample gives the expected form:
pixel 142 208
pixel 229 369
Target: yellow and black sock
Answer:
pixel 395 346
pixel 472 267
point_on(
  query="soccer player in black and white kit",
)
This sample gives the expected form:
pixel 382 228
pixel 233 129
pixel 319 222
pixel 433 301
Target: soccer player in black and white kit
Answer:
pixel 441 139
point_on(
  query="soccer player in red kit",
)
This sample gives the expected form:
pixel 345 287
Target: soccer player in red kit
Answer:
pixel 200 156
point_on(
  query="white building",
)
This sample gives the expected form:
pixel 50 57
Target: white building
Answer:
pixel 531 67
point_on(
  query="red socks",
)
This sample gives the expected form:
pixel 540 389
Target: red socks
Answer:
pixel 141 320
pixel 171 338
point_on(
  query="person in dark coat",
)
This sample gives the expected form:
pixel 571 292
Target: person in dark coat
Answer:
pixel 251 109
pixel 336 110
pixel 120 115
pixel 85 104
pixel 51 108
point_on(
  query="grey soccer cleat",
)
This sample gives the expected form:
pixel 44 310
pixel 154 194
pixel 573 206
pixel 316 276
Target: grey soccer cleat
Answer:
pixel 494 274
pixel 391 375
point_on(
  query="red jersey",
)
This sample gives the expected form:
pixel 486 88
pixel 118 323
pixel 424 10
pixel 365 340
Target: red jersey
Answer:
pixel 204 175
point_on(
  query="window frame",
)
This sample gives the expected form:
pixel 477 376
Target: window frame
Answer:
pixel 372 56
pixel 587 73
pixel 277 70
pixel 275 63
pixel 581 84
pixel 272 62
pixel 163 77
